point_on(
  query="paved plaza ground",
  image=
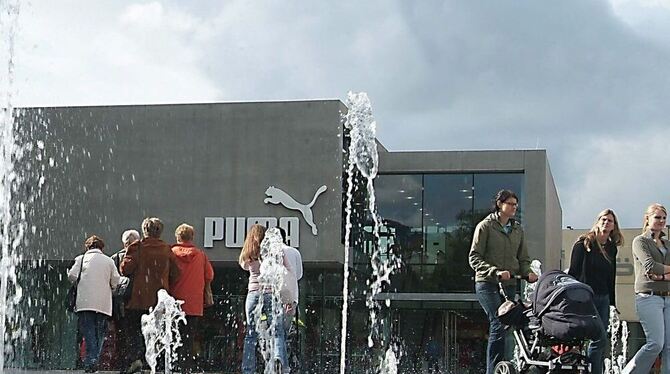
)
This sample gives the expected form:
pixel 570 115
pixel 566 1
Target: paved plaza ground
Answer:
pixel 38 371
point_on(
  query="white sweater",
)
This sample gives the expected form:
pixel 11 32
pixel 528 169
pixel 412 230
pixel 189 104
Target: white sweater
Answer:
pixel 294 259
pixel 98 278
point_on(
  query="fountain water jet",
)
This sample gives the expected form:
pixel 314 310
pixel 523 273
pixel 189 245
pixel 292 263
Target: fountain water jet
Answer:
pixel 362 156
pixel 272 272
pixel 618 330
pixel 161 330
pixel 11 229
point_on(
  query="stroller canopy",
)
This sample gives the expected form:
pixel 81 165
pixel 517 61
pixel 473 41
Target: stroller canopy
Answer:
pixel 565 307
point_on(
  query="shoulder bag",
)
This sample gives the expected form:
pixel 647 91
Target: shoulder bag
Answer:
pixel 208 295
pixel 71 297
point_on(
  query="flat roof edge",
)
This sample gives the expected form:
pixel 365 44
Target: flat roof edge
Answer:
pixel 182 104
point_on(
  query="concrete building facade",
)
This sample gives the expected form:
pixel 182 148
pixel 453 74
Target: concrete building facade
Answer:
pixel 222 167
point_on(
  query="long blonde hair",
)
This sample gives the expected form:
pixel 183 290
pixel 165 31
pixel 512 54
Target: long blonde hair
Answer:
pixel 650 210
pixel 251 251
pixel 590 237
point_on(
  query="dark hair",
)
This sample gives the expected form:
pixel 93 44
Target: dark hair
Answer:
pixel 501 197
pixel 282 232
pixel 94 242
pixel 152 227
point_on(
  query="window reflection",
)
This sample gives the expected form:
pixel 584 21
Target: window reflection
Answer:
pixel 400 206
pixel 428 220
pixel 448 222
pixel 487 185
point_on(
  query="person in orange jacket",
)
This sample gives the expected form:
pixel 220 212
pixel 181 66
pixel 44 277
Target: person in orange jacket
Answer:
pixel 196 271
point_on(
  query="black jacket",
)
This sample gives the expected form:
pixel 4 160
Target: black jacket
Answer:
pixel 592 268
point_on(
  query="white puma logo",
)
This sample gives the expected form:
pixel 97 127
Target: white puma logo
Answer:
pixel 277 196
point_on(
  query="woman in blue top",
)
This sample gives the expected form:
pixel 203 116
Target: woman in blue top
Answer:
pixel 593 262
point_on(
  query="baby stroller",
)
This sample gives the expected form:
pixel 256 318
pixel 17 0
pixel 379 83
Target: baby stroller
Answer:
pixel 550 332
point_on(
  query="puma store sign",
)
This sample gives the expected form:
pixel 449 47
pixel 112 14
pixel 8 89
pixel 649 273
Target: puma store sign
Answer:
pixel 233 230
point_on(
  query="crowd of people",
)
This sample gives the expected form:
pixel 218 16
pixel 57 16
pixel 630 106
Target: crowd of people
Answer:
pixel 144 266
pixel 498 254
pixel 123 287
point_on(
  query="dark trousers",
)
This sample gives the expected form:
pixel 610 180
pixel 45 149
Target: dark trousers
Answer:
pixel 122 328
pixel 188 360
pixel 597 347
pixel 134 340
pixel 489 297
pixel 93 327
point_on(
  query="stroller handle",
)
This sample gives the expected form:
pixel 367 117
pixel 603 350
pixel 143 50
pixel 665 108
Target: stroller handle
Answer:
pixel 518 279
pixel 516 276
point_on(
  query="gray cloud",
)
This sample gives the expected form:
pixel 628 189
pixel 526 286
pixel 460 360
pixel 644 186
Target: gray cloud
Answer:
pixel 584 79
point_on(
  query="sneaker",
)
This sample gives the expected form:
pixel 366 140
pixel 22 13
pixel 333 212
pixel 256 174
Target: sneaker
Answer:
pixel 278 366
pixel 91 369
pixel 135 367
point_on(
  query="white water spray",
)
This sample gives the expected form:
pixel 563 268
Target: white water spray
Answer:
pixel 362 155
pixel 161 330
pixel 527 296
pixel 272 277
pixel 618 330
pixel 11 226
pixel 389 364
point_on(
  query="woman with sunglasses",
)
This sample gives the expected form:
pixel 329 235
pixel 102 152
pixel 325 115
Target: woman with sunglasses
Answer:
pixel 498 253
pixel 593 262
pixel 651 255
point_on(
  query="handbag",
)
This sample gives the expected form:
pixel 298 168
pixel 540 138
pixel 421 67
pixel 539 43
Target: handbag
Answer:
pixel 124 289
pixel 209 297
pixel 71 297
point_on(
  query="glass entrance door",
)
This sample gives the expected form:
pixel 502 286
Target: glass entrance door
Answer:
pixel 465 339
pixel 442 340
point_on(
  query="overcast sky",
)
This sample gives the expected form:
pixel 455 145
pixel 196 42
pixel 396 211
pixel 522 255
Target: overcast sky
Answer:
pixel 587 80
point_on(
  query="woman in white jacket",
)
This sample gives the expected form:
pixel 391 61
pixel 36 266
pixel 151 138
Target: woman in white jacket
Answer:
pixel 94 296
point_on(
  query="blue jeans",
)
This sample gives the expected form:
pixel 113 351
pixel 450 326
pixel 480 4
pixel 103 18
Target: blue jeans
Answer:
pixel 251 336
pixel 654 314
pixel 597 347
pixel 93 326
pixel 490 299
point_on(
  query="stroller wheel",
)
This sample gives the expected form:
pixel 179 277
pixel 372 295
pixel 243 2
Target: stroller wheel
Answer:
pixel 504 367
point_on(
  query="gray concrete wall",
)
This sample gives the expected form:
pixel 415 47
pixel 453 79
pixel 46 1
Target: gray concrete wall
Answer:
pixel 554 225
pixel 114 165
pixel 107 167
pixel 452 161
pixel 534 222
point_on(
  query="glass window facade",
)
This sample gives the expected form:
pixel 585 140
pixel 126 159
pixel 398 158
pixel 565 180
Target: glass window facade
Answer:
pixel 428 220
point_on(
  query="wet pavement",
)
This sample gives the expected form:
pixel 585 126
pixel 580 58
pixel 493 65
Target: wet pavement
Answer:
pixel 42 371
